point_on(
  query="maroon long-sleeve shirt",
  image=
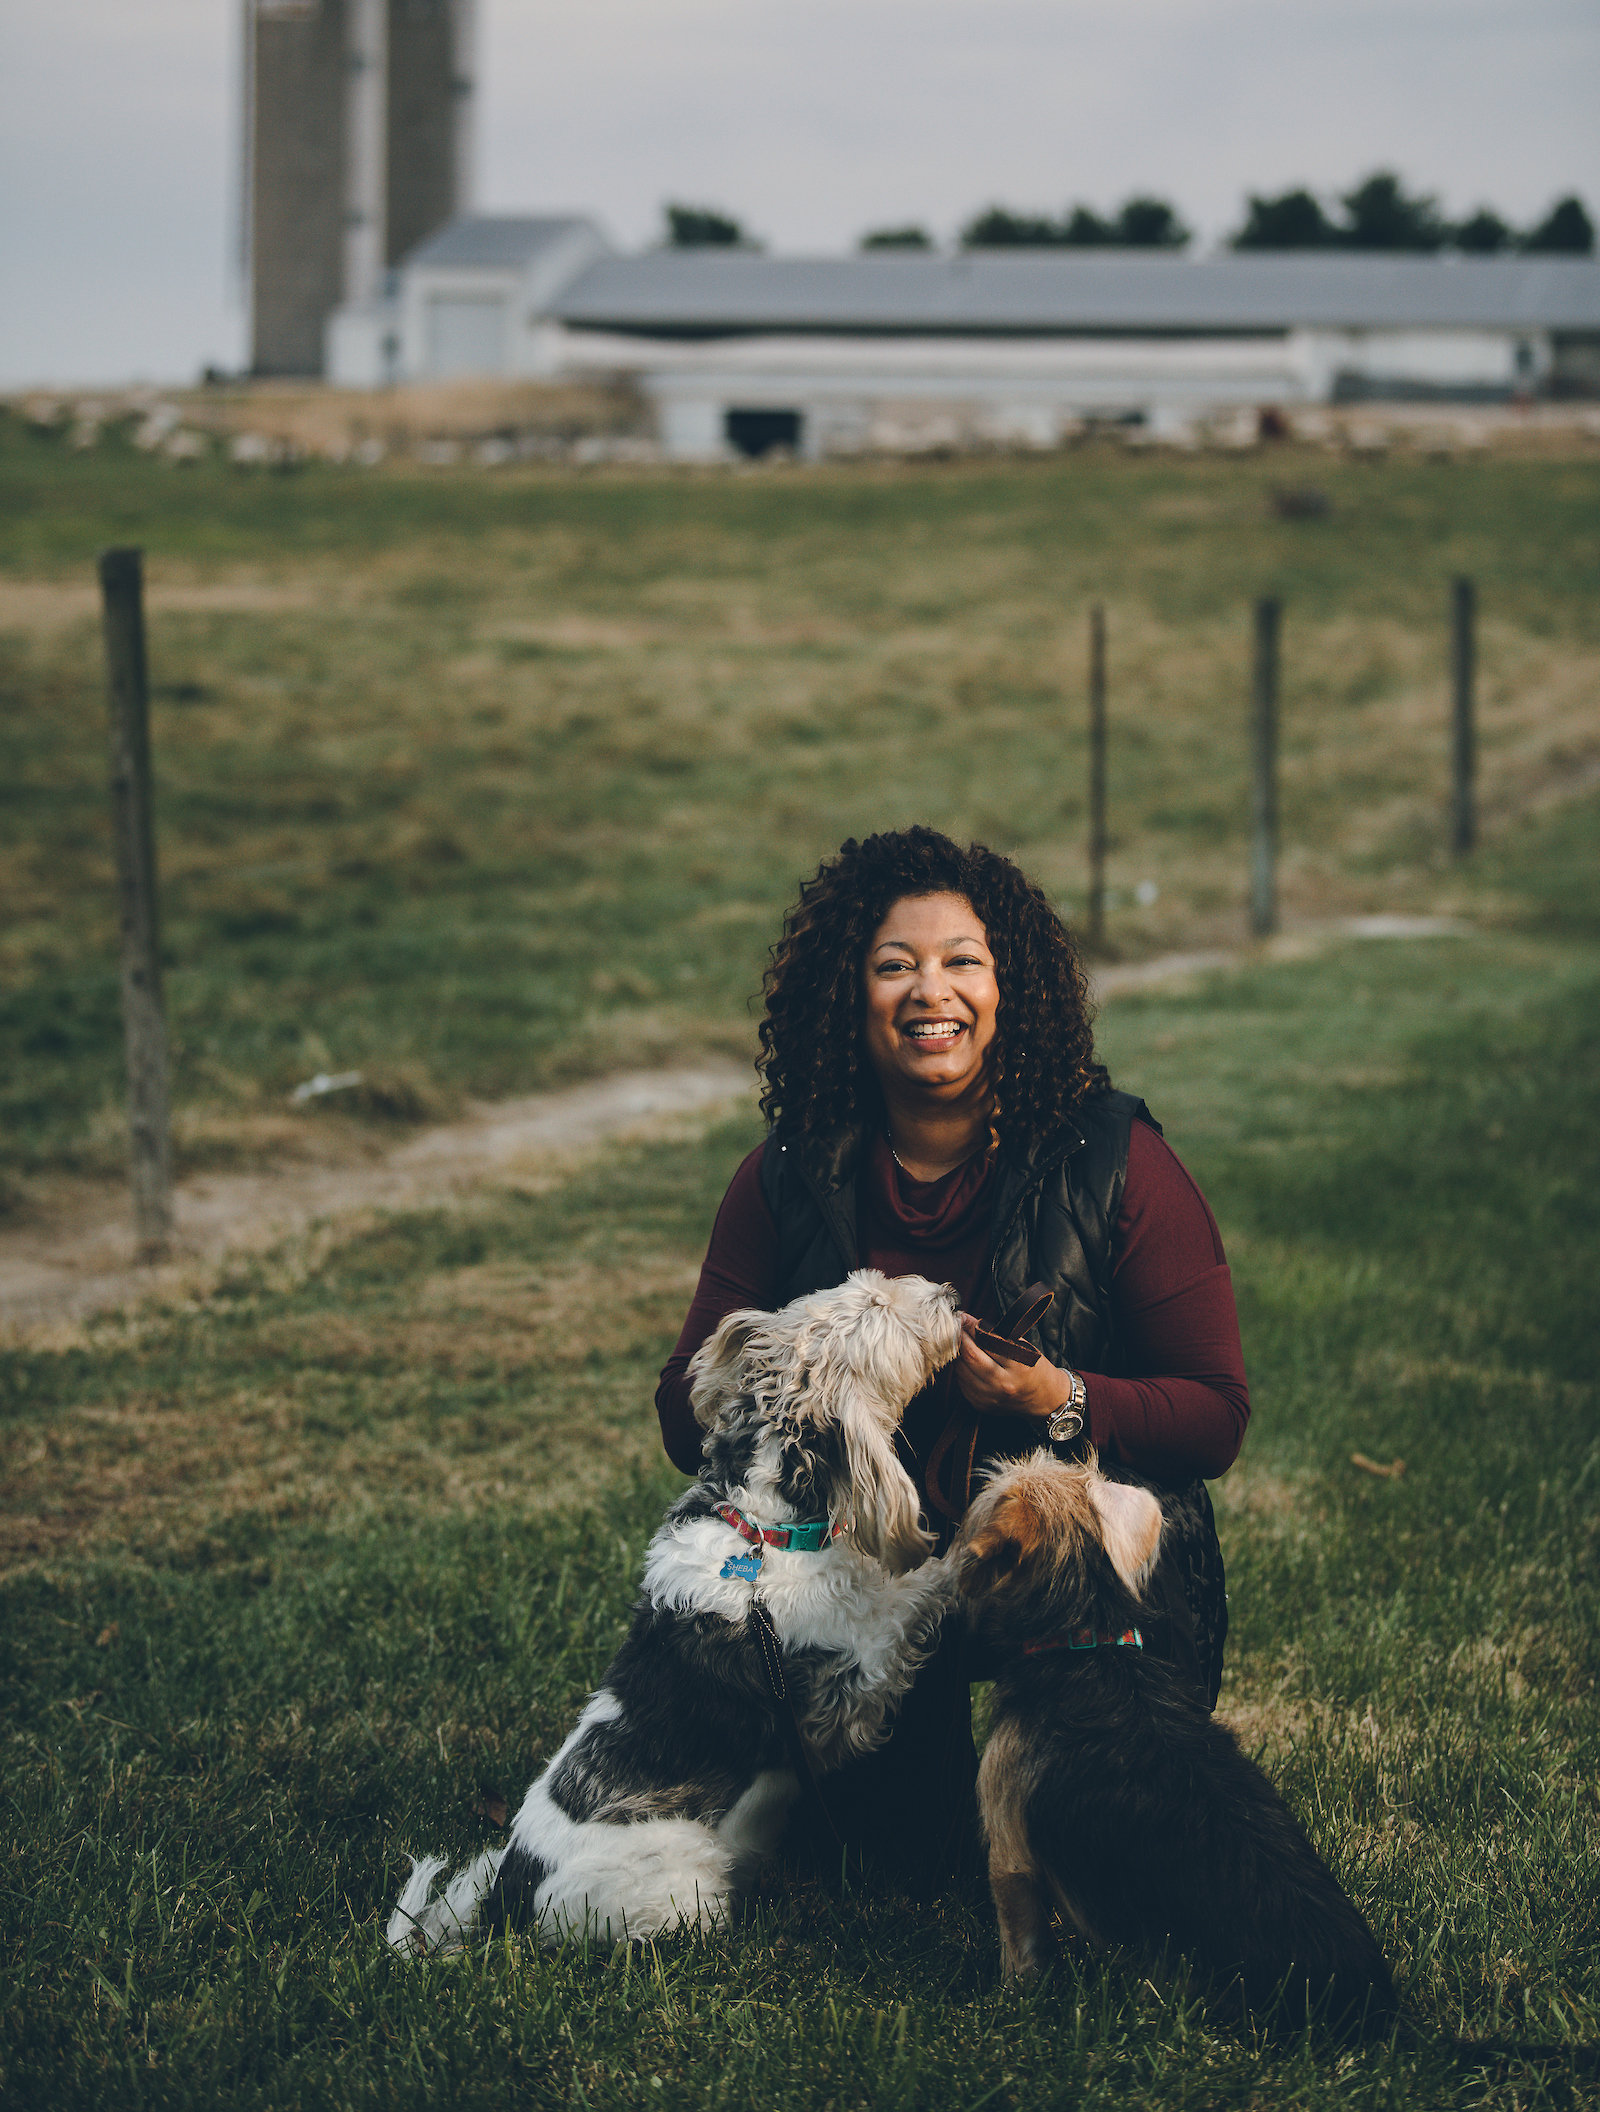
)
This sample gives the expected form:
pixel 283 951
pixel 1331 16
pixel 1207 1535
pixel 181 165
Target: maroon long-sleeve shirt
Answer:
pixel 1178 1410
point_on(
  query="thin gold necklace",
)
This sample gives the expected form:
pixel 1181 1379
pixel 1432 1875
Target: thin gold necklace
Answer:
pixel 906 1170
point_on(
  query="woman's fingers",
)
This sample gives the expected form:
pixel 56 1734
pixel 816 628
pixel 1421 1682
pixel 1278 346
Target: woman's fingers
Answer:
pixel 969 1357
pixel 989 1384
pixel 975 1373
pixel 1005 1389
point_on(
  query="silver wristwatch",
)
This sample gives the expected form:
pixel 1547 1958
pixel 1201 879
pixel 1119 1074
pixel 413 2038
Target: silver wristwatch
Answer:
pixel 1067 1422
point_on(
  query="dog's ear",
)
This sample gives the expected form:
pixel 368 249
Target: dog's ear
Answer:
pixel 1007 1539
pixel 883 1502
pixel 1130 1525
pixel 714 1369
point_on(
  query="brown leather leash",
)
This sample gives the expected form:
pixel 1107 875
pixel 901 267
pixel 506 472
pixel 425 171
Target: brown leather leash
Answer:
pixel 772 1659
pixel 1005 1342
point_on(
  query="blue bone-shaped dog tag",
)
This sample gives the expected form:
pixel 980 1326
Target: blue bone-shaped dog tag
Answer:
pixel 746 1566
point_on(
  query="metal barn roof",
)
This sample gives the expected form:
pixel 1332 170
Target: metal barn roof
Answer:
pixel 718 293
pixel 494 241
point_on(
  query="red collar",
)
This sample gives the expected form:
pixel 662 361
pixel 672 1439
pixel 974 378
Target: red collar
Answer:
pixel 808 1534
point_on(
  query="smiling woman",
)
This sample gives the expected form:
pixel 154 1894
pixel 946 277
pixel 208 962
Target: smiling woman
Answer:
pixel 936 1109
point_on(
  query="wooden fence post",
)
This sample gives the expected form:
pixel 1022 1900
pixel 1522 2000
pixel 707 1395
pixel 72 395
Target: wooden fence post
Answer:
pixel 1264 771
pixel 144 1026
pixel 1464 745
pixel 1097 776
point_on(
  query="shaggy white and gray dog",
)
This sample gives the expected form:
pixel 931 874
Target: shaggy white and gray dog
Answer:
pixel 677 1779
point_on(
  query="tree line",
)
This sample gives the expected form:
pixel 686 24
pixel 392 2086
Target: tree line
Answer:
pixel 1381 214
pixel 1378 214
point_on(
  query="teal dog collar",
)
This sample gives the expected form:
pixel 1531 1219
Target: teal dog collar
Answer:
pixel 807 1536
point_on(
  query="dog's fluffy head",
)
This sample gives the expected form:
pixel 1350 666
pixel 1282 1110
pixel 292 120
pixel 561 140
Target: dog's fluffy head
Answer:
pixel 818 1389
pixel 1050 1542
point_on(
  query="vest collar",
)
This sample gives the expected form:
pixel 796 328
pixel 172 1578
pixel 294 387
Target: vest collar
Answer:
pixel 1015 1176
pixel 829 1161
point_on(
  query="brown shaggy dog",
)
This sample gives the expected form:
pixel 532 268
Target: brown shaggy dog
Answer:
pixel 1107 1788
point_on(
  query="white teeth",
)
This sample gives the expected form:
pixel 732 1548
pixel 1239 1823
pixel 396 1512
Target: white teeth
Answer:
pixel 936 1030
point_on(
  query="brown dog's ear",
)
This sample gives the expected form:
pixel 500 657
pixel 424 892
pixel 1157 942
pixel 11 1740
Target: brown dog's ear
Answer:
pixel 1130 1525
pixel 1000 1546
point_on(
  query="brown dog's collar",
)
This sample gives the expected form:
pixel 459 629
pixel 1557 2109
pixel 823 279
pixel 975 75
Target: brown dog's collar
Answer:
pixel 1086 1639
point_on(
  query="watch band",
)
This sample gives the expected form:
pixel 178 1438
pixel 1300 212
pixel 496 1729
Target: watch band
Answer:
pixel 1067 1422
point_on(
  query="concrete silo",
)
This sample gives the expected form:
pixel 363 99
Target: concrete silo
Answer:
pixel 357 145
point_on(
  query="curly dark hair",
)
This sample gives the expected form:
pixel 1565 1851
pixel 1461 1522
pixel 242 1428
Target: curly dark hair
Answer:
pixel 814 1078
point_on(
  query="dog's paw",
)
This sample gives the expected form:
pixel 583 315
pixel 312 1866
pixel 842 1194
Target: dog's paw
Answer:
pixel 1022 1912
pixel 932 1589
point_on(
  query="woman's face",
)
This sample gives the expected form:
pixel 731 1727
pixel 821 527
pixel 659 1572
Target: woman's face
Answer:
pixel 931 999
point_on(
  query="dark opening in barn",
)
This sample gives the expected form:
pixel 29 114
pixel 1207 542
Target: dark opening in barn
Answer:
pixel 759 432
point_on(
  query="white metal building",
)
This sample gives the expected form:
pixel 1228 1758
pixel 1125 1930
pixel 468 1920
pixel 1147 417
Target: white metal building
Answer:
pixel 740 351
pixel 474 299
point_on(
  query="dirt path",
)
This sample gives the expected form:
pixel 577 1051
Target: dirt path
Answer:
pixel 1297 945
pixel 71 1255
pixel 45 605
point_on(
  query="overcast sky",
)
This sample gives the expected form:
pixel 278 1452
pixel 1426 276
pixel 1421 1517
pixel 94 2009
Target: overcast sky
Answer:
pixel 810 119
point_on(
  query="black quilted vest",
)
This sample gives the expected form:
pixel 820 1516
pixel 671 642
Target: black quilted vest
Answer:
pixel 1052 1217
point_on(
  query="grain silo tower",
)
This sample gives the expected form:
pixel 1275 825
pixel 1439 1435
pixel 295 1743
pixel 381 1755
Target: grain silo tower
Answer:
pixel 357 145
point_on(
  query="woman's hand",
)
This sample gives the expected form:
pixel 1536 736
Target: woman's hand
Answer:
pixel 994 1388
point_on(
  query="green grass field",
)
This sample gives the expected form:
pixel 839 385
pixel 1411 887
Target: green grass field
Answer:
pixel 293 1578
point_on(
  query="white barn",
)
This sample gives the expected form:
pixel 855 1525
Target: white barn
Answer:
pixel 739 351
pixel 468 301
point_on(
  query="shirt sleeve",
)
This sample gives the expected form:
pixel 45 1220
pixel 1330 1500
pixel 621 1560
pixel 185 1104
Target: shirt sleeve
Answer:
pixel 740 1269
pixel 1181 1407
